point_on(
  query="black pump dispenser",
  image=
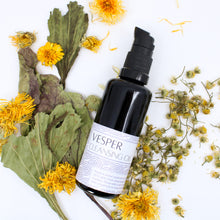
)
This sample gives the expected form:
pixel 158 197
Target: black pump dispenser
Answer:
pixel 138 61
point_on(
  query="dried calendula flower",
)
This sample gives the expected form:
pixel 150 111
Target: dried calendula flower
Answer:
pixel 108 11
pixel 23 39
pixel 139 205
pixel 50 54
pixel 18 110
pixel 62 178
pixel 92 43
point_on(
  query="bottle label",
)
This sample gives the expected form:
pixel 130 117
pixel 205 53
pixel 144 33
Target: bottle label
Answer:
pixel 106 160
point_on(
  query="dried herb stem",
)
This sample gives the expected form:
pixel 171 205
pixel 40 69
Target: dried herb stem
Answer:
pixel 100 207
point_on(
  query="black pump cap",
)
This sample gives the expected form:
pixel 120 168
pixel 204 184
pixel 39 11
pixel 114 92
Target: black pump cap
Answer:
pixel 138 61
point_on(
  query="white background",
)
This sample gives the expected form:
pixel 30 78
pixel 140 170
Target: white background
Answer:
pixel 200 45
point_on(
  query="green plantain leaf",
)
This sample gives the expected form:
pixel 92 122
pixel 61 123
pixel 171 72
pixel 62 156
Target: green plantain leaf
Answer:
pixel 67 31
pixel 74 155
pixel 32 156
pixel 63 121
pixel 28 81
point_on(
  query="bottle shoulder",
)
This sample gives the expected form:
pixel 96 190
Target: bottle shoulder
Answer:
pixel 127 85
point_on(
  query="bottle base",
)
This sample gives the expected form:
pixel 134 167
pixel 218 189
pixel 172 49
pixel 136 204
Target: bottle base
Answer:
pixel 95 192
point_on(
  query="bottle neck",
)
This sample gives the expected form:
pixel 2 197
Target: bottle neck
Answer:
pixel 132 80
pixel 134 76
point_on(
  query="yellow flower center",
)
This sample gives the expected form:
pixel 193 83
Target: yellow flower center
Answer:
pixel 50 54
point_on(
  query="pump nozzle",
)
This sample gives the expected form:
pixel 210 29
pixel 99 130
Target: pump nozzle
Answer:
pixel 138 61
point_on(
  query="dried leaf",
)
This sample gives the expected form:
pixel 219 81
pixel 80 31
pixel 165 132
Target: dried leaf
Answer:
pixel 28 81
pixel 64 124
pixel 67 31
pixel 52 93
pixel 32 156
pixel 74 155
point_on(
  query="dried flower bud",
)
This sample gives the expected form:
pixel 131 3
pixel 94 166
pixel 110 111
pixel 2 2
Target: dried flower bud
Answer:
pixel 115 200
pixel 208 159
pixel 163 167
pixel 179 163
pixel 203 139
pixel 202 130
pixel 175 201
pixel 165 140
pixel 209 85
pixel 175 127
pixel 194 121
pixel 215 174
pixel 151 168
pixel 196 132
pixel 190 74
pixel 185 152
pixel 146 149
pixel 213 147
pixel 179 132
pixel 188 145
pixel 216 155
pixel 217 163
pixel 162 177
pixel 173 177
pixel 145 173
pixel 164 93
pixel 176 148
pixel 173 80
pixel 158 133
pixel 197 70
pixel 179 211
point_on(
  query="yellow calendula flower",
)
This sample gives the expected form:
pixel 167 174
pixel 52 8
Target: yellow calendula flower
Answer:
pixel 18 110
pixel 23 39
pixel 62 178
pixel 50 54
pixel 108 11
pixel 93 43
pixel 139 205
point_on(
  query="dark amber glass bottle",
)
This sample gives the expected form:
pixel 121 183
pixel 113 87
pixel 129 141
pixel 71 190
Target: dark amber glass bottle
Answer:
pixel 122 112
